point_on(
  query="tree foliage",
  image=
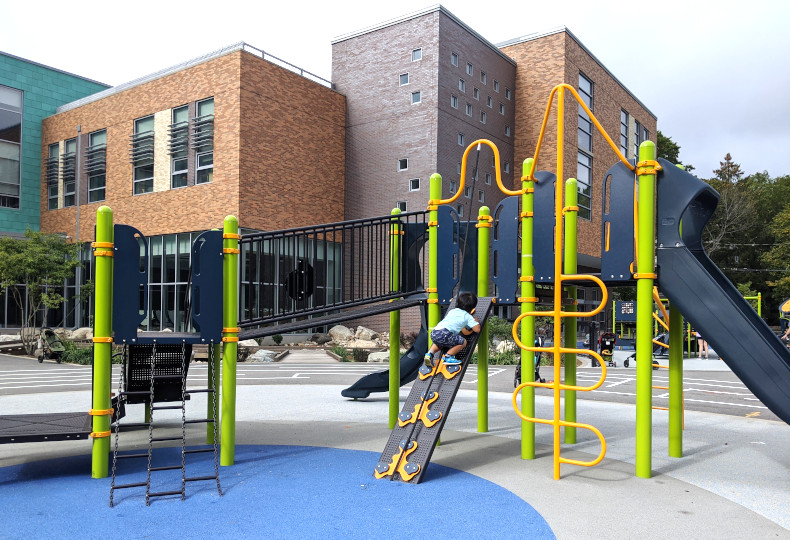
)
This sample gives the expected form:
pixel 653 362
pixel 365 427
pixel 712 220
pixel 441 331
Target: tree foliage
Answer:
pixel 668 149
pixel 40 263
pixel 729 171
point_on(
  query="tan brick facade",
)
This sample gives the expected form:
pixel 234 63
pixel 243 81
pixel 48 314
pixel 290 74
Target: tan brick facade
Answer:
pixel 288 148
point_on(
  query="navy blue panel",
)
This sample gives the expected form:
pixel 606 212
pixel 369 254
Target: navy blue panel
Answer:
pixel 447 253
pixel 207 285
pixel 412 244
pixel 130 280
pixel 543 232
pixel 504 250
pixel 468 245
pixel 618 224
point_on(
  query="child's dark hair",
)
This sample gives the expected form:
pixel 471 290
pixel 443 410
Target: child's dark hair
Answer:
pixel 466 301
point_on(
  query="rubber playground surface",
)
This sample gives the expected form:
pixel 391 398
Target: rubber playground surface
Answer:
pixel 304 469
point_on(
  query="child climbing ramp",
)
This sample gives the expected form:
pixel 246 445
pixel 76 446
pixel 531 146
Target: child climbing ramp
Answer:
pixel 447 334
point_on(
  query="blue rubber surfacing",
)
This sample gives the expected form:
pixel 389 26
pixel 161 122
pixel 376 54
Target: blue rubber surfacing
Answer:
pixel 271 492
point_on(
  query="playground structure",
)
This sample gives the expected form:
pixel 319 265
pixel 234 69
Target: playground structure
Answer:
pixel 379 267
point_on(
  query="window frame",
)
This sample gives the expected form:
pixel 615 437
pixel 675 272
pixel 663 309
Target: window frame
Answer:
pixel 469 109
pixel 418 95
pixel 400 79
pixel 483 77
pixel 418 53
pixel 401 166
pixel 461 139
pixel 199 168
pixel 453 101
pixel 412 184
pixel 401 205
pixel 454 59
pixel 462 85
pixel 96 194
pixel 585 210
pixel 470 68
pixel 147 180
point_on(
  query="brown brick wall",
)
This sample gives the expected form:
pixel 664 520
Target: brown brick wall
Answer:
pixel 292 155
pixel 188 209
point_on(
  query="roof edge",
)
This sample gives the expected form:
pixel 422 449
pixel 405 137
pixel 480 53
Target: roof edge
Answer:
pixel 39 64
pixel 420 13
pixel 559 29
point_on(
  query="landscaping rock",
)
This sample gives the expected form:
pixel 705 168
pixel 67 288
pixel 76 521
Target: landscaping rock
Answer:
pixel 365 334
pixel 81 334
pixel 361 344
pixel 9 337
pixel 380 357
pixel 262 355
pixel 321 339
pixel 248 343
pixel 504 346
pixel 340 333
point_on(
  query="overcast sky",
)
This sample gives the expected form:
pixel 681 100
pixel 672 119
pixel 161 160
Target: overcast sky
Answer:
pixel 716 74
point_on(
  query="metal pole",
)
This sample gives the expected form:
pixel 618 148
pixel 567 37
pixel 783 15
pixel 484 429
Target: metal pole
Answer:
pixel 394 402
pixel 645 277
pixel 102 346
pixel 675 382
pixel 527 323
pixel 570 267
pixel 78 273
pixel 433 260
pixel 230 313
pixel 483 247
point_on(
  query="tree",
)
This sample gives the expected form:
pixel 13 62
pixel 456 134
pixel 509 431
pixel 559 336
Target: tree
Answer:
pixel 729 171
pixel 733 219
pixel 778 257
pixel 38 264
pixel 668 149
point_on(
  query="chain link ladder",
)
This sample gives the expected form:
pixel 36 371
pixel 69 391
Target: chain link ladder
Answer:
pixel 150 427
pixel 121 388
pixel 183 418
pixel 213 396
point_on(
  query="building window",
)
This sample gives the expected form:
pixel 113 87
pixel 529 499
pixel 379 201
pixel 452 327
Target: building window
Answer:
pixel 469 69
pixel 404 79
pixel 584 178
pixel 461 139
pixel 462 85
pixel 507 93
pixel 502 108
pixel 203 141
pixel 459 167
pixel 453 186
pixel 454 59
pixel 624 132
pixel 483 117
pixel 401 205
pixel 468 192
pixel 481 197
pixel 454 102
pixel 403 164
pixel 507 131
pixel 70 173
pixel 507 166
pixel 416 54
pixel 488 179
pixel 637 138
pixel 414 184
pixel 483 77
pixel 10 146
pixel 585 129
pixel 96 165
pixel 468 109
pixel 496 86
pixel 142 155
pixel 416 97
pixel 53 174
pixel 179 146
pixel 476 94
pixel 490 102
pixel 645 134
pixel 460 208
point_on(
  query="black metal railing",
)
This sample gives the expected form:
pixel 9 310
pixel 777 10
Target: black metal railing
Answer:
pixel 321 269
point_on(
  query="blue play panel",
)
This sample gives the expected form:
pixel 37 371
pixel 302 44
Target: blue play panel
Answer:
pixel 271 492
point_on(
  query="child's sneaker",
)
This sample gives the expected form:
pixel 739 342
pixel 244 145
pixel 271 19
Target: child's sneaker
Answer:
pixel 451 360
pixel 428 360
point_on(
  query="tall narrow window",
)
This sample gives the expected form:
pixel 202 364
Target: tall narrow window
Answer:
pixel 10 149
pixel 496 86
pixel 476 93
pixel 69 172
pixel 96 165
pixel 203 141
pixel 468 109
pixel 584 131
pixel 179 146
pixel 462 85
pixel 461 139
pixel 470 69
pixel 483 117
pixel 584 178
pixel 53 175
pixel 454 102
pixel 142 155
pixel 490 101
pixel 507 93
pixel 637 138
pixel 483 77
pixel 454 59
pixel 624 132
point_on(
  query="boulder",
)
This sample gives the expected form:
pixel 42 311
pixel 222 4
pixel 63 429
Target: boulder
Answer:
pixel 340 333
pixel 9 337
pixel 380 357
pixel 248 343
pixel 365 334
pixel 81 334
pixel 361 344
pixel 321 339
pixel 262 355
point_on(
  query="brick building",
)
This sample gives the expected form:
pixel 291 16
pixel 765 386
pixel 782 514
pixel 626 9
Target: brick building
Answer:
pixel 175 152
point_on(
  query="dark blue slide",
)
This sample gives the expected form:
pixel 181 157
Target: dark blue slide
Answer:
pixel 379 381
pixel 704 295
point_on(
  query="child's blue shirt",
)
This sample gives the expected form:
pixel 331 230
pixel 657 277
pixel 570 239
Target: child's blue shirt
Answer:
pixel 455 320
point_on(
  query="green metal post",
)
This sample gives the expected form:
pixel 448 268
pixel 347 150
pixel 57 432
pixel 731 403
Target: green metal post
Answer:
pixel 614 317
pixel 675 382
pixel 760 305
pixel 527 329
pixel 644 313
pixel 570 267
pixel 394 404
pixel 688 339
pixel 102 348
pixel 433 259
pixel 230 311
pixel 483 248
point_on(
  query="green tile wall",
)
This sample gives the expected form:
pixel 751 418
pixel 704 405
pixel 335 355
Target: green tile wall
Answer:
pixel 44 89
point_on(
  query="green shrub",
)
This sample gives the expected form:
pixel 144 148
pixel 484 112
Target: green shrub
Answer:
pixel 507 358
pixel 500 328
pixel 360 355
pixel 277 338
pixel 342 352
pixel 76 355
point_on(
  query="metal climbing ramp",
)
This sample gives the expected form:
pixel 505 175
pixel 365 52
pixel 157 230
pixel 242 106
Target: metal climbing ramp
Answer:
pixel 412 441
